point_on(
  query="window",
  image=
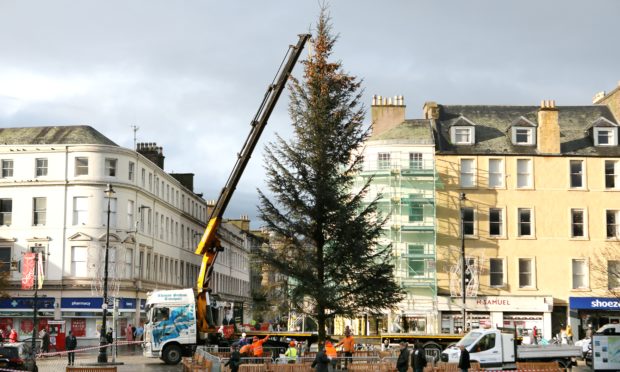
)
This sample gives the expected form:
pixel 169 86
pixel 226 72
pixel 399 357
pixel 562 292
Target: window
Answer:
pixel 41 167
pixel 580 271
pixel 112 211
pixel 525 222
pixel 80 210
pixel 81 166
pixel 576 173
pixel 131 170
pixel 129 263
pixel 613 274
pixel 462 135
pixel 604 136
pixel 496 224
pixel 6 212
pixel 416 212
pixel 524 173
pixel 161 226
pixel 148 267
pixel 155 272
pixel 467 221
pixel 613 228
pixel 5 260
pixel 496 173
pixel 612 174
pixel 496 272
pixel 150 181
pixel 526 272
pixel 110 167
pixel 523 136
pixel 415 262
pixel 7 168
pixel 39 209
pixel 148 221
pixel 141 265
pixel 415 160
pixel 468 173
pixel 79 257
pixel 130 219
pixel 577 223
pixel 383 160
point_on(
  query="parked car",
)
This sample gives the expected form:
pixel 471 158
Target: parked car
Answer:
pixel 12 356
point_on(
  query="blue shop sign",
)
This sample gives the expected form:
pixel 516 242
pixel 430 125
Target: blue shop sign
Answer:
pixel 142 304
pixel 594 303
pixel 127 303
pixel 43 303
pixel 90 303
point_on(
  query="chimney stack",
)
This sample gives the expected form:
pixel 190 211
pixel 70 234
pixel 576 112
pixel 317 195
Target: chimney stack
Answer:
pixel 548 131
pixel 150 151
pixel 387 113
pixel 431 110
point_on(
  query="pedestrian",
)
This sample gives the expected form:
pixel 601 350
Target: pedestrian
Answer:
pixel 569 334
pixel 108 336
pixel 418 357
pixel 563 335
pixel 246 351
pixel 348 346
pixel 235 360
pixel 321 361
pixel 589 331
pixel 535 335
pixel 402 363
pixel 133 333
pixel 243 340
pixel 464 364
pixel 129 337
pixel 257 347
pixel 139 332
pixel 45 341
pixel 291 353
pixel 332 354
pixel 71 344
pixel 12 335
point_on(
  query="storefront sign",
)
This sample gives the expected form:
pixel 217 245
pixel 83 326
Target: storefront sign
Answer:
pixel 499 303
pixel 26 303
pixel 84 303
pixel 594 303
pixel 78 327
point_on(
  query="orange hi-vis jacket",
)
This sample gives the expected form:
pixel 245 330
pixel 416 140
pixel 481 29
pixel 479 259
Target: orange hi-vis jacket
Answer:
pixel 257 346
pixel 330 350
pixel 348 344
pixel 246 349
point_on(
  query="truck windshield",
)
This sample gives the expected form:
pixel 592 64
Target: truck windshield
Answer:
pixel 469 338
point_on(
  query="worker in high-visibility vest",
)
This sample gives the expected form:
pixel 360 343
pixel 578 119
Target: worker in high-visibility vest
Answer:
pixel 246 351
pixel 332 354
pixel 257 346
pixel 291 353
pixel 348 346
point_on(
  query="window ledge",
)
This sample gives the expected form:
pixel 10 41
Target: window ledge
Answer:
pixel 526 238
pixel 579 238
pixel 497 237
pixel 581 290
pixel 529 289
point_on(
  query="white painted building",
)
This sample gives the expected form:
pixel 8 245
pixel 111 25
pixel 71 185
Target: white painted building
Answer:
pixel 52 197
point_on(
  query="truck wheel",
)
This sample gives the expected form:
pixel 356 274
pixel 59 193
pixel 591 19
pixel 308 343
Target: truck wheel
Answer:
pixel 171 354
pixel 564 365
pixel 432 350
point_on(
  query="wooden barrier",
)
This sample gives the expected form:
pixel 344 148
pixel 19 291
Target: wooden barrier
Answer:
pixel 538 366
pixel 290 368
pixel 253 368
pixel 90 369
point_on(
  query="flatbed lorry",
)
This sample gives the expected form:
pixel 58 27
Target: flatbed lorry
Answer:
pixel 497 348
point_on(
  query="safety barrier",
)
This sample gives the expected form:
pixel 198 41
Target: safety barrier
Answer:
pixel 90 369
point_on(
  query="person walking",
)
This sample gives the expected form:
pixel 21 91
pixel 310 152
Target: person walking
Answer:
pixel 464 364
pixel 109 336
pixel 257 347
pixel 589 331
pixel 12 335
pixel 535 335
pixel 348 346
pixel 332 354
pixel 235 360
pixel 321 361
pixel 139 332
pixel 418 358
pixel 129 337
pixel 291 353
pixel 569 334
pixel 45 341
pixel 402 363
pixel 71 344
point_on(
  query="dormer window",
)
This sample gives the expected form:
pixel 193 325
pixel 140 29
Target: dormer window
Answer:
pixel 604 132
pixel 462 132
pixel 523 132
pixel 604 137
pixel 463 136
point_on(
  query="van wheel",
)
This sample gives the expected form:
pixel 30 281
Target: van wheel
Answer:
pixel 564 365
pixel 432 351
pixel 171 354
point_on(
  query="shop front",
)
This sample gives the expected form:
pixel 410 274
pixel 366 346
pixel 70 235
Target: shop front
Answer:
pixel 592 311
pixel 520 312
pixel 17 313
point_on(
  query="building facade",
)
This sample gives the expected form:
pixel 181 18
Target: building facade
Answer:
pixel 52 200
pixel 531 196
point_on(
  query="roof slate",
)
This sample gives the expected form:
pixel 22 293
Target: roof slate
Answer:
pixel 57 135
pixel 414 130
pixel 493 135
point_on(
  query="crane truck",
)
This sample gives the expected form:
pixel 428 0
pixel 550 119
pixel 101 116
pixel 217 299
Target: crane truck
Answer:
pixel 178 320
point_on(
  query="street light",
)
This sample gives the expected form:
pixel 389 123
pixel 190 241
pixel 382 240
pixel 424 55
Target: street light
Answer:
pixel 36 249
pixel 103 356
pixel 462 197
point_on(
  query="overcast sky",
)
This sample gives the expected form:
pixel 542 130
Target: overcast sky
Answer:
pixel 191 73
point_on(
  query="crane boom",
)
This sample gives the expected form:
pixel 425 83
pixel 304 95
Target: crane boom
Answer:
pixel 209 245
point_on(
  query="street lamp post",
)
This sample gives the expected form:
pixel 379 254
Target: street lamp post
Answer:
pixel 103 356
pixel 35 250
pixel 462 197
